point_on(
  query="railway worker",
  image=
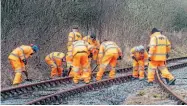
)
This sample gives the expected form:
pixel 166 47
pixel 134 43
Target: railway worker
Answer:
pixel 139 56
pixel 80 50
pixel 18 59
pixel 69 61
pixel 158 53
pixel 91 39
pixel 74 36
pixel 109 53
pixel 55 60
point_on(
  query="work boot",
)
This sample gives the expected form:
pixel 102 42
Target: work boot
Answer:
pixel 172 82
pixel 87 81
pixel 141 79
pixel 134 78
pixel 150 84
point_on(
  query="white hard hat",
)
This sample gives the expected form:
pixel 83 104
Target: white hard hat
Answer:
pixel 139 48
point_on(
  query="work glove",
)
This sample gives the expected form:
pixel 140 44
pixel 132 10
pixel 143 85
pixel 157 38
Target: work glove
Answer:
pixel 134 58
pixel 119 58
pixel 30 80
pixel 24 61
pixel 167 56
pixel 90 56
pixel 64 59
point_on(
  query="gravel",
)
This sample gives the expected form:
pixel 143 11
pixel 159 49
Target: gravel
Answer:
pixel 107 96
pixel 179 88
pixel 104 96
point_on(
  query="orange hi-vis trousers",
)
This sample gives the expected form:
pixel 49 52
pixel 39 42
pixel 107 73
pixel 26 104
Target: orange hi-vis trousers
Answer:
pixel 18 67
pixel 161 65
pixel 80 61
pixel 107 59
pixel 56 68
pixel 69 62
pixel 138 69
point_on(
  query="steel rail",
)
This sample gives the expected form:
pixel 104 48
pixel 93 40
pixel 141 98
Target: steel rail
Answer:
pixel 13 91
pixel 5 93
pixel 58 97
pixel 172 95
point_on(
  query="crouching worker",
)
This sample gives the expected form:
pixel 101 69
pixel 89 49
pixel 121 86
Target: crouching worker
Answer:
pixel 18 59
pixel 92 40
pixel 139 56
pixel 80 50
pixel 55 60
pixel 109 52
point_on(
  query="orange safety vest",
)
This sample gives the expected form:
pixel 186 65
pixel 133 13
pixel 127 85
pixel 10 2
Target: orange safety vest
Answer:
pixel 73 36
pixel 80 47
pixel 56 57
pixel 92 42
pixel 22 52
pixel 109 47
pixel 159 47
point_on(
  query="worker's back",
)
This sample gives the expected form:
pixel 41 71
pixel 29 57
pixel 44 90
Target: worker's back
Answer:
pixel 159 47
pixel 74 36
pixel 79 46
pixel 109 47
pixel 22 52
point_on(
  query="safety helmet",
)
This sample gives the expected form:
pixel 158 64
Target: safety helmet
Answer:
pixel 35 48
pixel 139 48
pixel 93 36
pixel 154 30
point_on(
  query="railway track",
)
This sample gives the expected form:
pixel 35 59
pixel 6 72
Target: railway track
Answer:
pixel 170 89
pixel 60 96
pixel 24 89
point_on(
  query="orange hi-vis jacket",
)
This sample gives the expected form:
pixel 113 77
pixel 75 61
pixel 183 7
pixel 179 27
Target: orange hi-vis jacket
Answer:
pixel 22 52
pixel 109 47
pixel 72 37
pixel 56 57
pixel 138 55
pixel 80 47
pixel 159 47
pixel 95 44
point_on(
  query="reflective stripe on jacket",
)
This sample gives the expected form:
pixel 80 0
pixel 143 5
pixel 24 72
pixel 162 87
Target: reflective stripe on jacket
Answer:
pixel 80 47
pixel 159 47
pixel 108 48
pixel 56 57
pixel 22 52
pixel 73 36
